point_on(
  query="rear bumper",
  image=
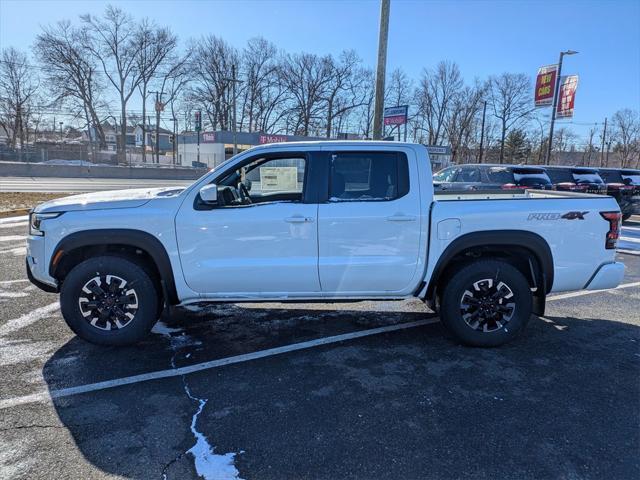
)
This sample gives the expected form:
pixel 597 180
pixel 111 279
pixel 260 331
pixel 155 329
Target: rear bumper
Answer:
pixel 608 275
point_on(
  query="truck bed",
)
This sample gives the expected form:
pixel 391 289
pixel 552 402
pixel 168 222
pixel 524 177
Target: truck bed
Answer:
pixel 520 194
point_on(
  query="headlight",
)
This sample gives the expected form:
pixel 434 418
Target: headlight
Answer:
pixel 35 222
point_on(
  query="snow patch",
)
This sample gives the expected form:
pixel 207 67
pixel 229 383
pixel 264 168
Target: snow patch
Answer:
pixel 209 465
pixel 162 328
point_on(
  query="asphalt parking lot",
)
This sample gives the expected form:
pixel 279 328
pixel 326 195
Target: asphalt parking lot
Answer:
pixel 362 390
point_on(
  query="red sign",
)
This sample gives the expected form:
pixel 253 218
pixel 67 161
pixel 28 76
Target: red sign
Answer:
pixel 209 137
pixel 545 85
pixel 567 96
pixel 272 139
pixel 396 115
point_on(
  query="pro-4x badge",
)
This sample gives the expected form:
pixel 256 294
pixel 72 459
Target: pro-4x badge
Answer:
pixel 574 215
pixel 557 216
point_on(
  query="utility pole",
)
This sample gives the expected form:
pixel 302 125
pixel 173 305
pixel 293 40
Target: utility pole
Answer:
pixel 159 108
pixel 484 114
pixel 234 127
pixel 175 138
pixel 61 138
pixel 381 70
pixel 556 94
pixel 604 135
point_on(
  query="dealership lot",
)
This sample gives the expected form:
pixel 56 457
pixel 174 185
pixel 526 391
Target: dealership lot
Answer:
pixel 362 390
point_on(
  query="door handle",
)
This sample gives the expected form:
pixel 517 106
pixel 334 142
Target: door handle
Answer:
pixel 298 219
pixel 401 218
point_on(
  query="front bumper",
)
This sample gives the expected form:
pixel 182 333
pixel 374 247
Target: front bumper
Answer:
pixel 41 285
pixel 609 275
pixel 37 268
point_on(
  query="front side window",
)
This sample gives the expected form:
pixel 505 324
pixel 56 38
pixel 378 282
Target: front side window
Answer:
pixel 262 181
pixel 446 175
pixel 368 176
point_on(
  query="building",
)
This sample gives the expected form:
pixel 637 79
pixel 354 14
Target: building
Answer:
pixel 165 142
pixel 216 147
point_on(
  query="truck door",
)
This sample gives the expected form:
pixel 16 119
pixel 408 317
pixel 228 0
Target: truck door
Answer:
pixel 369 227
pixel 261 237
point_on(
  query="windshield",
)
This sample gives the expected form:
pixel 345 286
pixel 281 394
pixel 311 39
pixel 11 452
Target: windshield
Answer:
pixel 587 177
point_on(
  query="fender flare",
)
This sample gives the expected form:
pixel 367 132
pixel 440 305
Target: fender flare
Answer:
pixel 533 242
pixel 129 237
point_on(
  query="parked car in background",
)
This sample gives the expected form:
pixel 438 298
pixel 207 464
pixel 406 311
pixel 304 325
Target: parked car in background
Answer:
pixel 576 179
pixel 491 177
pixel 624 186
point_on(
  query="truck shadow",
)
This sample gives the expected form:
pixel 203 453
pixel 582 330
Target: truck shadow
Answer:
pixel 562 400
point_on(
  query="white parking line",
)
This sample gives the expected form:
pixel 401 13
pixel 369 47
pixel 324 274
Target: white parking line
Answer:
pixel 198 367
pixel 27 319
pixel 590 292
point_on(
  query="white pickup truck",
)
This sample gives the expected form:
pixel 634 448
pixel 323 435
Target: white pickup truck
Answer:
pixel 328 221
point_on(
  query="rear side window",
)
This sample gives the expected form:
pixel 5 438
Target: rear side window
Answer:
pixel 500 175
pixel 611 176
pixel 560 175
pixel 368 176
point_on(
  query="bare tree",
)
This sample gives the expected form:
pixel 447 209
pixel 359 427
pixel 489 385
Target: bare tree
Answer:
pixel 156 45
pixel 212 61
pixel 170 86
pixel 626 136
pixel 113 41
pixel 563 141
pixel 307 77
pixel 398 91
pixel 72 75
pixel 509 97
pixel 435 94
pixel 18 89
pixel 343 92
pixel 462 116
pixel 589 148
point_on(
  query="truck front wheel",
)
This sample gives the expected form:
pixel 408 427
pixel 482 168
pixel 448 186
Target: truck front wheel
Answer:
pixel 486 303
pixel 109 300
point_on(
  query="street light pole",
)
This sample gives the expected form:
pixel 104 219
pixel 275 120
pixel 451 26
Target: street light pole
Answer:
pixel 556 94
pixel 381 69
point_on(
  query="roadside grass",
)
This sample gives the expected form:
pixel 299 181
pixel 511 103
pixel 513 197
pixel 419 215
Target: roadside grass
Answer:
pixel 18 203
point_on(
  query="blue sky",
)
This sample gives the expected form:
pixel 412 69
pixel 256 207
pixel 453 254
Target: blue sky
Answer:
pixel 483 37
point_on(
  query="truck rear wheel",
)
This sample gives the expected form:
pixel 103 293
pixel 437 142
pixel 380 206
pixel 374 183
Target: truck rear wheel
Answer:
pixel 109 300
pixel 486 303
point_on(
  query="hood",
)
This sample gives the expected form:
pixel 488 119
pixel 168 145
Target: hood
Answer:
pixel 111 199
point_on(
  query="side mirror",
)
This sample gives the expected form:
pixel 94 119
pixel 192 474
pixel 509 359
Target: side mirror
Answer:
pixel 209 193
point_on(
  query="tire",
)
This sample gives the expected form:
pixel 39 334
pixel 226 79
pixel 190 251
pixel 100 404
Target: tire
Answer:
pixel 473 317
pixel 101 309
